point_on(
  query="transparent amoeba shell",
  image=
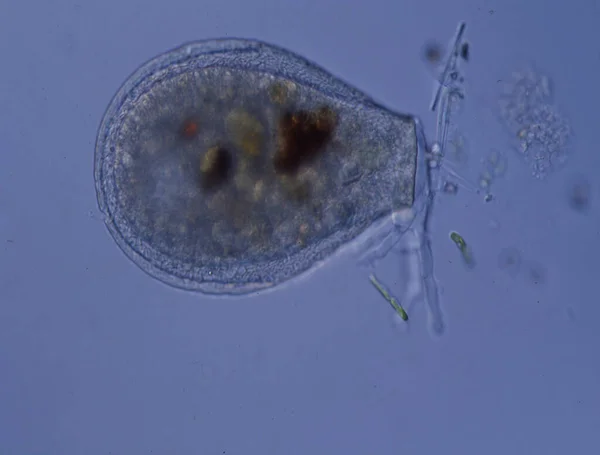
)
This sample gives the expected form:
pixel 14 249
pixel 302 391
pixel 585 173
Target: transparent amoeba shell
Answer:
pixel 229 166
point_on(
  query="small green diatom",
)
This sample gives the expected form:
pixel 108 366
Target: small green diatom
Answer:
pixel 386 295
pixel 459 241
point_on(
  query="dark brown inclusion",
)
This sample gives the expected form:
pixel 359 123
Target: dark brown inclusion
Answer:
pixel 216 167
pixel 303 135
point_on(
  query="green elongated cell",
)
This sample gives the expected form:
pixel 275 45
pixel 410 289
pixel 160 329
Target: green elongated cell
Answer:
pixel 464 249
pixel 228 166
pixel 391 300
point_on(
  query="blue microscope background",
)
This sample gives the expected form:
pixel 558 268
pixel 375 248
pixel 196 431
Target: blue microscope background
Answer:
pixel 96 357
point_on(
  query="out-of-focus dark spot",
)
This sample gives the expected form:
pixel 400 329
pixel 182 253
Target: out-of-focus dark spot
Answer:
pixel 536 273
pixel 303 135
pixel 579 194
pixel 432 53
pixel 509 260
pixel 216 167
pixel 464 52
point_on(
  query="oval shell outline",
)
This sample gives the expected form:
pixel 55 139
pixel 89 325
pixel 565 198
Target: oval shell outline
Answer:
pixel 258 57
